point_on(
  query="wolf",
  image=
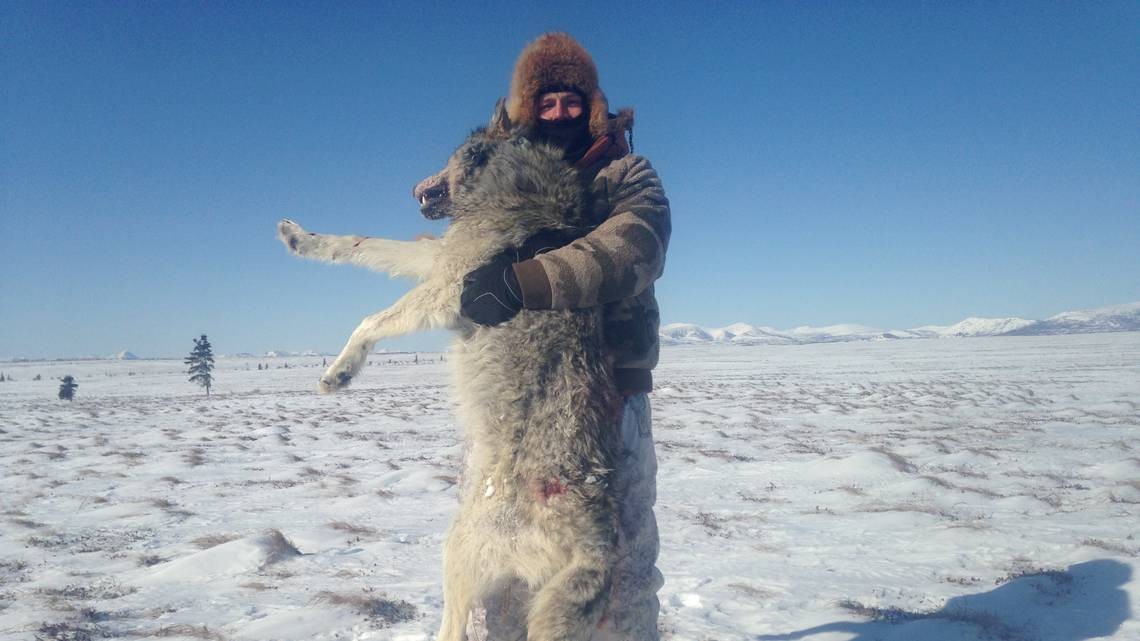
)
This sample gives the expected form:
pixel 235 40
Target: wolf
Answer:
pixel 536 394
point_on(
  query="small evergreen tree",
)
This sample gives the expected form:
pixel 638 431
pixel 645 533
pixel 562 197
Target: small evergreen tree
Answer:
pixel 67 388
pixel 201 362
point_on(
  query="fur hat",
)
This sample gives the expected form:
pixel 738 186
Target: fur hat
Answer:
pixel 557 60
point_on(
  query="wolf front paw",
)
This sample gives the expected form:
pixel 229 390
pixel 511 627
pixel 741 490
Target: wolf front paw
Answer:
pixel 292 235
pixel 332 382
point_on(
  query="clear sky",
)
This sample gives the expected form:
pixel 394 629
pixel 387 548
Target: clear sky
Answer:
pixel 889 164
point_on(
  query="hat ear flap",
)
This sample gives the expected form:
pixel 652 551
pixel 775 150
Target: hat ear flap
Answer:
pixel 599 114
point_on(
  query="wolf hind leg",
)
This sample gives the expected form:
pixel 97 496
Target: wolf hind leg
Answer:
pixel 570 605
pixel 455 611
pixel 461 581
pixel 458 600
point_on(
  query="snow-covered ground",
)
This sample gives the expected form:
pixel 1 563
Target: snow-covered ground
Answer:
pixel 921 490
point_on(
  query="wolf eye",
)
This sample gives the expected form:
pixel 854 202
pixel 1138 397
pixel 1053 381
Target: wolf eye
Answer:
pixel 476 155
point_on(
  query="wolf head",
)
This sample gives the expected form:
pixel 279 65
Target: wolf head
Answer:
pixel 434 192
pixel 497 171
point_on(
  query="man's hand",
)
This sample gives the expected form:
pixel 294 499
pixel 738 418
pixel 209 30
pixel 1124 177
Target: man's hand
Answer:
pixel 491 293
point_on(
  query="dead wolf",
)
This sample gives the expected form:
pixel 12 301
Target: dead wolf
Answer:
pixel 536 394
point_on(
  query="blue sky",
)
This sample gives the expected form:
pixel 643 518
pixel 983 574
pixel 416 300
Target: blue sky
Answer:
pixel 889 164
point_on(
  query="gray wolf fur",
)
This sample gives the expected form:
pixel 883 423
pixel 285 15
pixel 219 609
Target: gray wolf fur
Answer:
pixel 536 395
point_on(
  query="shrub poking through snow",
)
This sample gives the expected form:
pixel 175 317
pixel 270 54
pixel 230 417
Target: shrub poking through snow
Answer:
pixel 378 609
pixel 360 530
pixel 183 630
pixel 277 547
pixel 213 540
pixel 70 632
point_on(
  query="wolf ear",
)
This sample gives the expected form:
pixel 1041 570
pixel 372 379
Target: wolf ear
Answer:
pixel 500 123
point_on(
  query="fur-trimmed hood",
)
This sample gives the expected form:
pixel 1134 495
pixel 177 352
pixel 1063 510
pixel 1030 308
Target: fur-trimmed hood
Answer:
pixel 557 60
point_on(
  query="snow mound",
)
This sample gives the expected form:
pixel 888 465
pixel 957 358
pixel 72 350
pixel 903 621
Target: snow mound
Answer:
pixel 861 467
pixel 228 559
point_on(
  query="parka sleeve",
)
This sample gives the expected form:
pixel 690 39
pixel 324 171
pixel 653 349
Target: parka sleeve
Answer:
pixel 619 259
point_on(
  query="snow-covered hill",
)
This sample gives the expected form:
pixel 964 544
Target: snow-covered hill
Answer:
pixel 281 353
pixel 685 332
pixel 1117 318
pixel 974 326
pixel 745 334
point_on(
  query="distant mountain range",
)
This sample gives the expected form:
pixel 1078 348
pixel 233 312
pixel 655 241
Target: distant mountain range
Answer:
pixel 1118 318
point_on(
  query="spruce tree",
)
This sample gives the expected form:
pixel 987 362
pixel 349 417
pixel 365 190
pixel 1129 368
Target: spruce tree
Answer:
pixel 67 388
pixel 201 362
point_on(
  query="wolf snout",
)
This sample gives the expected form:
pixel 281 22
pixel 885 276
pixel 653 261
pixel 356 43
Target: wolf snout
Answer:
pixel 429 188
pixel 431 194
pixel 427 194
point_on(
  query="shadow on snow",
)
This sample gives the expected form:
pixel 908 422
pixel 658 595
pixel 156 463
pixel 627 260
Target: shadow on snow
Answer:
pixel 1084 602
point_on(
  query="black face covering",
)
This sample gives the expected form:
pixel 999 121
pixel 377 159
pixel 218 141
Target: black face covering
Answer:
pixel 573 136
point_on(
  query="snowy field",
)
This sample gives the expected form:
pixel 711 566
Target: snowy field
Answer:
pixel 941 490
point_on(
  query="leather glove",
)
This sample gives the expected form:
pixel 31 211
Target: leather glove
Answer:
pixel 491 293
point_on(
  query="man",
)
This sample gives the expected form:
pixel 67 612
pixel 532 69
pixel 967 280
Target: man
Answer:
pixel 556 99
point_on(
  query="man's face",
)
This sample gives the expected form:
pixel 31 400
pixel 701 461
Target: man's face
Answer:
pixel 559 105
